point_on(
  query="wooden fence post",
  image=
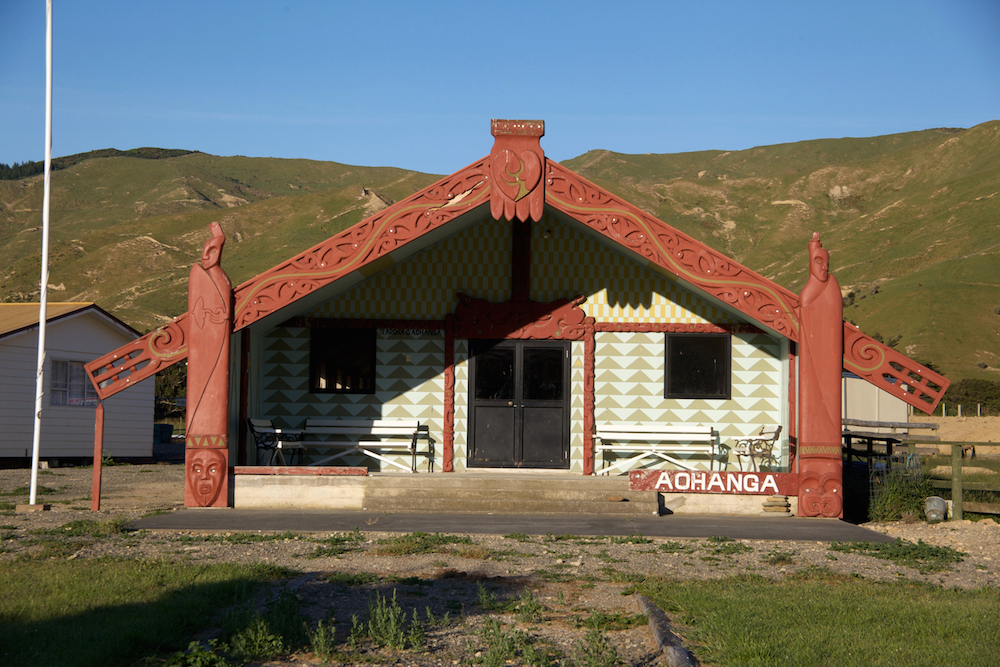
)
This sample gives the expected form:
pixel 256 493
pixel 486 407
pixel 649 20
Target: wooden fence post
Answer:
pixel 956 482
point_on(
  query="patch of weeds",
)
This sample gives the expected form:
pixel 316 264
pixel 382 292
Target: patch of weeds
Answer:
pixel 619 577
pixel 157 512
pixel 7 508
pixel 638 538
pixel 528 608
pixel 504 646
pixel 920 556
pixel 595 650
pixel 897 492
pixel 779 557
pixel 711 559
pixel 520 537
pixel 575 539
pixel 278 628
pixel 474 552
pixel 551 577
pixel 386 626
pixel 408 581
pixel 610 622
pixel 26 491
pixel 439 563
pixel 338 544
pixel 88 528
pixel 678 547
pixel 419 543
pixel 352 578
pixel 198 655
pixel 605 557
pixel 323 640
pixel 720 545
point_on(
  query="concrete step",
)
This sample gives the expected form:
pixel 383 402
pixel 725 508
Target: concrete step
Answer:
pixel 511 506
pixel 509 494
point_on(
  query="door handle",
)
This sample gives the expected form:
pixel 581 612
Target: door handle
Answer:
pixel 511 403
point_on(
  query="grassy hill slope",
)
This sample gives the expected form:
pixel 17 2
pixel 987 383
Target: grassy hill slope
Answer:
pixel 910 221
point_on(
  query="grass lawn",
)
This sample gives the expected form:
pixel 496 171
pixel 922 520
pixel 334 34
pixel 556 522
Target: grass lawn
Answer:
pixel 112 611
pixel 824 619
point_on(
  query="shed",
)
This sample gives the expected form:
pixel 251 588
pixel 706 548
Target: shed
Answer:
pixel 75 333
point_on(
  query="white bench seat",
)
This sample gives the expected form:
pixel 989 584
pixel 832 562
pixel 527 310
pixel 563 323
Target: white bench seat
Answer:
pixel 366 436
pixel 652 441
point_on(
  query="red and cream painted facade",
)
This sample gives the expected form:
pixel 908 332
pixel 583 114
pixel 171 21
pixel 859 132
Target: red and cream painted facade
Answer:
pixel 516 247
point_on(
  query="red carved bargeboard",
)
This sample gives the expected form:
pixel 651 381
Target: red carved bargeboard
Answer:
pixel 891 371
pixel 140 359
pixel 671 250
pixel 367 242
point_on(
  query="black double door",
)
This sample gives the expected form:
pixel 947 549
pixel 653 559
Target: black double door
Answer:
pixel 519 404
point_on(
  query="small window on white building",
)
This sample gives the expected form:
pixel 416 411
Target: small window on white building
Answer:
pixel 70 385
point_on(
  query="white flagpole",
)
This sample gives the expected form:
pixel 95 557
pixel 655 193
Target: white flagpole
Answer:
pixel 43 307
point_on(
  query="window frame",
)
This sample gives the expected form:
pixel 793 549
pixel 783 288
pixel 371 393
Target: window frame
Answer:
pixel 79 394
pixel 726 371
pixel 364 337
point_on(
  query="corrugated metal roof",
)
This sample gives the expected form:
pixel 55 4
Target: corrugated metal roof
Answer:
pixel 15 317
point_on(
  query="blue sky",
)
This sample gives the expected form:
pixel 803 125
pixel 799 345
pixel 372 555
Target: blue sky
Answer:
pixel 414 84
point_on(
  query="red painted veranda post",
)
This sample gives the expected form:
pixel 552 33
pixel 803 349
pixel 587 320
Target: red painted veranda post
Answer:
pixel 210 306
pixel 821 362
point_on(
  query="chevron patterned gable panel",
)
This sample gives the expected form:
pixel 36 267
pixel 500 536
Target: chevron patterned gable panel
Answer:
pixel 628 387
pixel 475 261
pixel 409 384
pixel 567 262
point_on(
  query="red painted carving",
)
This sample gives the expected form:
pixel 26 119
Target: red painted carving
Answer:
pixel 820 361
pixel 562 319
pixel 210 298
pixel 448 437
pixel 140 359
pixel 701 481
pixel 206 478
pixel 360 245
pixel 821 490
pixel 891 371
pixel 671 250
pixel 516 164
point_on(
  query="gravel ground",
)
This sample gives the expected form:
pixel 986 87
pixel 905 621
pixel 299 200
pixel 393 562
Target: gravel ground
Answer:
pixel 568 577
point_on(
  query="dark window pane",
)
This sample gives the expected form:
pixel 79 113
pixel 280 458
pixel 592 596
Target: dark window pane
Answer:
pixel 342 361
pixel 543 374
pixel 698 366
pixel 495 374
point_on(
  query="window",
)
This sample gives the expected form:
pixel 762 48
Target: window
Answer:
pixel 698 366
pixel 342 361
pixel 70 385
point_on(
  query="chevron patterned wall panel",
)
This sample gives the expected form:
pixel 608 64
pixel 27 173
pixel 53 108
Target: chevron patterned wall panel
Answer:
pixel 628 386
pixel 461 446
pixel 567 262
pixel 475 261
pixel 409 385
pixel 576 440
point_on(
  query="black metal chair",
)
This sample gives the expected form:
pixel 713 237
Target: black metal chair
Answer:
pixel 273 442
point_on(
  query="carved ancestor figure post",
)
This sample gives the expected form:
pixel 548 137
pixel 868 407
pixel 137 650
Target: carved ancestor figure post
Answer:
pixel 210 308
pixel 821 363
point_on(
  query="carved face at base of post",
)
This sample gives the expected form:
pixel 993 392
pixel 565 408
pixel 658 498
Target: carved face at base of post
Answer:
pixel 205 474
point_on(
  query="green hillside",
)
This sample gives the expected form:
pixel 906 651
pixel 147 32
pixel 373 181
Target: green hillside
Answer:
pixel 910 221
